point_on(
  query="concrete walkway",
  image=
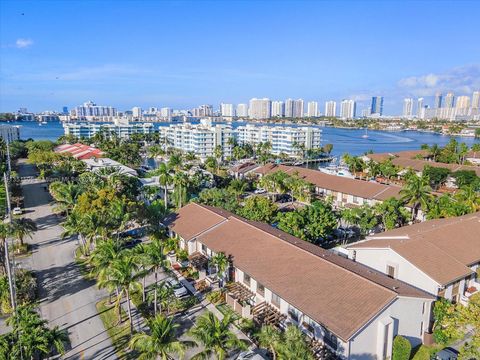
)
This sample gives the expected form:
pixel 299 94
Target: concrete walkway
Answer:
pixel 66 298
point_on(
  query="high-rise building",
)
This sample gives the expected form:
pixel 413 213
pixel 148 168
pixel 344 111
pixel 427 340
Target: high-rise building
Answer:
pixel 152 110
pixel 203 110
pixel 92 110
pixel 312 109
pixel 227 110
pixel 438 100
pixel 242 110
pixel 289 104
pixel 137 112
pixel 449 100
pixel 330 109
pixel 278 109
pixel 407 107
pixel 420 108
pixel 476 100
pixel 376 106
pixel 347 109
pixel 298 108
pixel 463 102
pixel 65 110
pixel 260 108
pixel 165 112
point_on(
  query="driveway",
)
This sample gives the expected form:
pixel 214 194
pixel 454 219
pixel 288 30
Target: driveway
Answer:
pixel 65 297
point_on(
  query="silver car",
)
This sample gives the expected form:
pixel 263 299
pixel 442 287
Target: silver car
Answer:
pixel 178 289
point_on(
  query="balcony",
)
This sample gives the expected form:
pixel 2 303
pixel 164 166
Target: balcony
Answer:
pixel 240 298
pixel 474 288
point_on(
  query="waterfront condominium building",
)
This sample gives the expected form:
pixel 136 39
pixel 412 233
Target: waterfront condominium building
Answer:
pixel 407 107
pixel 298 108
pixel 9 133
pixel 137 112
pixel 330 109
pixel 278 109
pixel 90 110
pixel 166 112
pixel 376 107
pixel 449 100
pixel 347 109
pixel 242 110
pixel 463 102
pixel 438 100
pixel 312 109
pixel 260 108
pixel 289 108
pixel 476 100
pixel 201 139
pixel 121 129
pixel 227 110
pixel 283 139
pixel 420 107
pixel 203 110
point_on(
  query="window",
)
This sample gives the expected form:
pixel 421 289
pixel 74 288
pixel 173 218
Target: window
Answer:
pixel 275 300
pixel 330 339
pixel 307 324
pixel 441 292
pixel 246 279
pixel 391 271
pixel 260 289
pixel 455 288
pixel 421 329
pixel 204 248
pixel 292 312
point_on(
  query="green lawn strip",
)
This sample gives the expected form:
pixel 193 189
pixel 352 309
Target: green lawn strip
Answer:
pixel 119 333
pixel 423 352
pixel 226 309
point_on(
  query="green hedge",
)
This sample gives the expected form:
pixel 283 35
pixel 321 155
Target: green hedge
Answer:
pixel 401 348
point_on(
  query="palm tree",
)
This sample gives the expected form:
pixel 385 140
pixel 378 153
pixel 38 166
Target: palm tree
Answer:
pixel 416 193
pixel 293 345
pixel 180 181
pixel 269 337
pixel 165 179
pixel 468 196
pixel 434 151
pixel 161 342
pixel 76 224
pixel 123 275
pixel 5 230
pixel 215 336
pixel 221 262
pixel 163 296
pixel 22 228
pixel 58 338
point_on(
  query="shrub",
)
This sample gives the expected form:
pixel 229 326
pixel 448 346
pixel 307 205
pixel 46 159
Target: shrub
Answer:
pixel 401 348
pixel 215 297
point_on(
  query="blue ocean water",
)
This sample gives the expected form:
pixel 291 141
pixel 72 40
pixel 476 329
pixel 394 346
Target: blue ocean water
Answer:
pixel 343 140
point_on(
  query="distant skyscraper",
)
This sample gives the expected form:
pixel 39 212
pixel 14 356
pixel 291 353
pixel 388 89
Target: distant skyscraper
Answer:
pixel 420 107
pixel 377 105
pixel 165 112
pixel 65 109
pixel 289 108
pixel 227 110
pixel 476 100
pixel 278 109
pixel 449 100
pixel 260 108
pixel 312 109
pixel 242 110
pixel 152 110
pixel 347 109
pixel 463 102
pixel 298 108
pixel 137 112
pixel 407 107
pixel 330 109
pixel 438 100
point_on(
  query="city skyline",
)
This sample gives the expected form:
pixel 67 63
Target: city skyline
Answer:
pixel 167 65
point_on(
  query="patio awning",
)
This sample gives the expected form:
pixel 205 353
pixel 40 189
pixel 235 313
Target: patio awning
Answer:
pixel 198 260
pixel 264 313
pixel 240 292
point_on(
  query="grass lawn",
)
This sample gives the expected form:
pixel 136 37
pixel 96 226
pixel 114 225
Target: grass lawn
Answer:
pixel 119 333
pixel 423 352
pixel 226 309
pixel 82 264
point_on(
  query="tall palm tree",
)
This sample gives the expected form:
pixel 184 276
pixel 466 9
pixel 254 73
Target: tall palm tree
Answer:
pixel 180 181
pixel 157 260
pixel 123 275
pixel 163 296
pixel 215 336
pixel 293 345
pixel 22 228
pixel 221 262
pixel 416 193
pixel 165 179
pixel 162 341
pixel 76 224
pixel 468 196
pixel 5 230
pixel 65 195
pixel 434 151
pixel 269 337
pixel 57 339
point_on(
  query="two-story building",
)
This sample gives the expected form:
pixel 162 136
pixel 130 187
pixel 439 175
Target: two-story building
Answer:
pixel 441 257
pixel 279 279
pixel 343 191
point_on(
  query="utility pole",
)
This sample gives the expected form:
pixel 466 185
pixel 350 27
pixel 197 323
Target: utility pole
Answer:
pixel 7 257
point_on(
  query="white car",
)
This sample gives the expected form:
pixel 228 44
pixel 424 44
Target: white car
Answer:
pixel 251 355
pixel 17 211
pixel 260 191
pixel 178 289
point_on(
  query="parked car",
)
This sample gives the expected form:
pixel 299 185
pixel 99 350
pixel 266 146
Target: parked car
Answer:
pixel 257 354
pixel 17 211
pixel 131 243
pixel 178 289
pixel 447 353
pixel 260 191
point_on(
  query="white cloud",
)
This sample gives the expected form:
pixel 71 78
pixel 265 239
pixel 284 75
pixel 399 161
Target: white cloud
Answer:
pixel 23 43
pixel 463 79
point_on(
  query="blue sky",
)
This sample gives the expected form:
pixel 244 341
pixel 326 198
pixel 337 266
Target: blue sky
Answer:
pixel 182 54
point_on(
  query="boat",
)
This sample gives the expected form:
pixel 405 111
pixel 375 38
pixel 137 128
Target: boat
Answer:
pixel 365 136
pixel 338 170
pixel 298 163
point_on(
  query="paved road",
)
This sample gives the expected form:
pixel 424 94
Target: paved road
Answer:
pixel 66 299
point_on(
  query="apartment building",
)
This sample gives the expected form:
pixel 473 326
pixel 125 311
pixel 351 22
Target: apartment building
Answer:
pixel 202 139
pixel 9 133
pixel 352 309
pixel 343 191
pixel 122 130
pixel 441 257
pixel 284 139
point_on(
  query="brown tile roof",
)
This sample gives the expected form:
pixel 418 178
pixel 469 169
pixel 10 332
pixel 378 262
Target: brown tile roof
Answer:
pixel 323 285
pixel 360 188
pixel 194 219
pixel 443 249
